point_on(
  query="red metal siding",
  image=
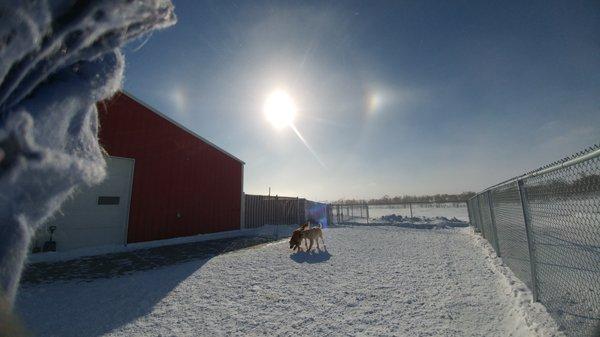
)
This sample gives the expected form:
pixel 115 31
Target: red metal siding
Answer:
pixel 175 172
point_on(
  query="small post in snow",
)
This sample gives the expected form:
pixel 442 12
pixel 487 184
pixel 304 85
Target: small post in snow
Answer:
pixel 298 210
pixel 278 219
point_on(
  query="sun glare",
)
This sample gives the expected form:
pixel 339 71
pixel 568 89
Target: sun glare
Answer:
pixel 280 109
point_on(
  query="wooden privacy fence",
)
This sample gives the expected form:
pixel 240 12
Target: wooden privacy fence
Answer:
pixel 260 210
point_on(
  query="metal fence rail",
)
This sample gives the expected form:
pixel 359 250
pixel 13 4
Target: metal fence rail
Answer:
pixel 545 225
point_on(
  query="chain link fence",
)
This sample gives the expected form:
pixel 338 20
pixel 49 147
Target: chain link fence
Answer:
pixel 408 211
pixel 350 213
pixel 545 225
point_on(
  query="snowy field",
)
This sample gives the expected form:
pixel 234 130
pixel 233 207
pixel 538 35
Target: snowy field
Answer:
pixel 373 281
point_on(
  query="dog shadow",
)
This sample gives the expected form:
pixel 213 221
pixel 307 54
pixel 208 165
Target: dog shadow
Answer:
pixel 311 257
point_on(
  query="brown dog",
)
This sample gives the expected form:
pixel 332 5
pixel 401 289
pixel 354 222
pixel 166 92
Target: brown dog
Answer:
pixel 296 238
pixel 313 234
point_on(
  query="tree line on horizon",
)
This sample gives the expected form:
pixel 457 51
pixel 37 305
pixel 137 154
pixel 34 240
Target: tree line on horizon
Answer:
pixel 386 199
pixel 565 185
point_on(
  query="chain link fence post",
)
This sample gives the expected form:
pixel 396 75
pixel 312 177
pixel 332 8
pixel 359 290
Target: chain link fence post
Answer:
pixel 493 223
pixel 480 217
pixel 529 233
pixel 469 213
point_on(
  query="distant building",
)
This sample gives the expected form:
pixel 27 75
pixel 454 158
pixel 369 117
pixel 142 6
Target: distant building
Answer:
pixel 164 181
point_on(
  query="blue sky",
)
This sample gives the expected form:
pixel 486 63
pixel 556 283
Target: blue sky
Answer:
pixel 398 97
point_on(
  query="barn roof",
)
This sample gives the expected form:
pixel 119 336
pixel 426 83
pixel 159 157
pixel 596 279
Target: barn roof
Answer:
pixel 149 107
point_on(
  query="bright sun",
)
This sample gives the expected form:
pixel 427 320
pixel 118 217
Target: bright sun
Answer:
pixel 280 109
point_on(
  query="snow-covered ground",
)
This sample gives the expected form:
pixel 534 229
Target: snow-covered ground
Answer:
pixel 374 280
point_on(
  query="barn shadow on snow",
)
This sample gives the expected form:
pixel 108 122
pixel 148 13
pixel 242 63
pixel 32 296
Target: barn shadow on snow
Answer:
pixel 107 292
pixel 310 257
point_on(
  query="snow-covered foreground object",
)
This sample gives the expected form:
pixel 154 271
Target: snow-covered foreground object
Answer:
pixel 375 280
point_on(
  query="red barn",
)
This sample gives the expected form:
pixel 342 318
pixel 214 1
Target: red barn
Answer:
pixel 182 184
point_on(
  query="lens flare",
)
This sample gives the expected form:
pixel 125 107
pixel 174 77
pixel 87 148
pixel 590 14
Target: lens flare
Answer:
pixel 307 145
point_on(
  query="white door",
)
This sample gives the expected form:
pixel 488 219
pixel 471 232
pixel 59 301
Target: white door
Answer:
pixel 94 216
